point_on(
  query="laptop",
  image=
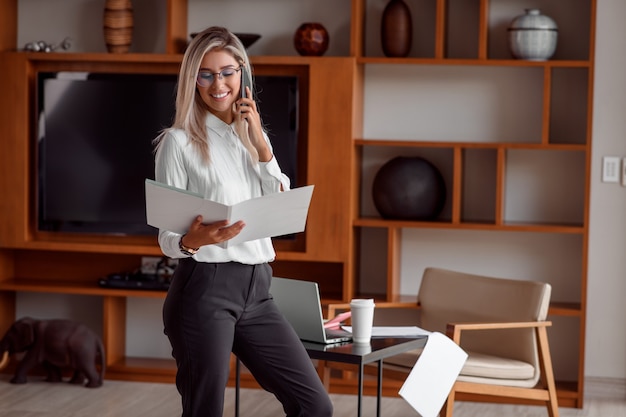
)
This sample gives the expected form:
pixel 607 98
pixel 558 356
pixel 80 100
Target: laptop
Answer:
pixel 299 301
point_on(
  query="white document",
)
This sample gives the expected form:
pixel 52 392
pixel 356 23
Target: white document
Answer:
pixel 276 214
pixel 395 331
pixel 433 375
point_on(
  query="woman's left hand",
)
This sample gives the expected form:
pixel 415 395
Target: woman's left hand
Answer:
pixel 247 110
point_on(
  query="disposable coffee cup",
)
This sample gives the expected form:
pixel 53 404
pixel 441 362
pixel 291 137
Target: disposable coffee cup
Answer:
pixel 362 320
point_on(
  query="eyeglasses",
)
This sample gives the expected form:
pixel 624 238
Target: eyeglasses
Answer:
pixel 206 78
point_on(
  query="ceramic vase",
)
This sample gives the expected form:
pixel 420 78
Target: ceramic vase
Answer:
pixel 118 25
pixel 396 29
pixel 311 39
pixel 533 36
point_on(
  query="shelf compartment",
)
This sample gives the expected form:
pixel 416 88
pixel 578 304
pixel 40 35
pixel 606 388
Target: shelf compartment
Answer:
pixel 574 26
pixel 564 335
pixel 328 275
pixel 374 159
pixel 569 106
pixel 537 193
pixel 565 309
pixel 479 192
pixel 476 198
pixel 424 23
pixel 470 104
pixel 79 268
pixel 471 29
pixel 511 251
pixel 277 36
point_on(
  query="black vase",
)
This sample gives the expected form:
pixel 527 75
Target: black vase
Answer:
pixel 396 29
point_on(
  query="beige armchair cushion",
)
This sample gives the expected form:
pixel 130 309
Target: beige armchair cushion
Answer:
pixel 477 365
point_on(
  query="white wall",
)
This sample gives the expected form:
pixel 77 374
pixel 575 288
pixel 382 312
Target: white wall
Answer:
pixel 606 327
pixel 52 20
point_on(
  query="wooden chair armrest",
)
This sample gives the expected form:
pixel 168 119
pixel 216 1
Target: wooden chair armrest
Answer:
pixel 336 308
pixel 453 330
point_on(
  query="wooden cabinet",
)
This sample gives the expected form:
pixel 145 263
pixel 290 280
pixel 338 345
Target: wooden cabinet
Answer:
pixel 63 263
pixel 512 140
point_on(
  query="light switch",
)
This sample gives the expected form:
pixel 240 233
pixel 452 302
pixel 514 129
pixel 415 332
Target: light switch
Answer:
pixel 611 171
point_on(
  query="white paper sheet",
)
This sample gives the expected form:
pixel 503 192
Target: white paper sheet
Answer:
pixel 277 214
pixel 431 379
pixel 394 331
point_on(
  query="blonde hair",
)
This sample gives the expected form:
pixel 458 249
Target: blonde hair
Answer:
pixel 191 111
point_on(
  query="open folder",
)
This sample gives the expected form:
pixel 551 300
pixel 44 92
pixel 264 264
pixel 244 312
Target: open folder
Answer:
pixel 276 214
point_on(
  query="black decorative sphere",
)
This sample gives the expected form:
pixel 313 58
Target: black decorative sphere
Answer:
pixel 409 188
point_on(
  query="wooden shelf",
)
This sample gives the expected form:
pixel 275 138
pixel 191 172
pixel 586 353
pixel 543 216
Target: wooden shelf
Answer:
pixel 565 309
pixel 566 390
pixel 83 244
pixel 469 145
pixel 162 58
pixel 73 287
pixel 513 227
pixel 479 62
pixel 142 369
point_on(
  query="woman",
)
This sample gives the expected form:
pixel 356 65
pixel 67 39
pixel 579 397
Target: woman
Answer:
pixel 219 299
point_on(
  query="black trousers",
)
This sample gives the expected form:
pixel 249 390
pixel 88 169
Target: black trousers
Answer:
pixel 212 309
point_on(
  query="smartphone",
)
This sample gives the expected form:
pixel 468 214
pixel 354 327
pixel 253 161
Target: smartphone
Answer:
pixel 245 82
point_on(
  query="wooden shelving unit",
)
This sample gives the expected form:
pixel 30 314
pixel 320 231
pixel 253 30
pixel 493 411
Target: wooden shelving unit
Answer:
pixel 61 263
pixel 463 40
pixel 458 36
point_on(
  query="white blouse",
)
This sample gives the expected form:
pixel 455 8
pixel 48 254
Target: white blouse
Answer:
pixel 229 177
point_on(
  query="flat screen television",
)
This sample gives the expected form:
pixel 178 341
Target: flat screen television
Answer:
pixel 94 144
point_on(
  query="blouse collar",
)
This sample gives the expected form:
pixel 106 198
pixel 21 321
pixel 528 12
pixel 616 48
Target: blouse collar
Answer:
pixel 218 125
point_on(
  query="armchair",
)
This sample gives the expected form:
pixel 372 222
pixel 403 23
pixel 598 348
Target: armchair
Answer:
pixel 500 323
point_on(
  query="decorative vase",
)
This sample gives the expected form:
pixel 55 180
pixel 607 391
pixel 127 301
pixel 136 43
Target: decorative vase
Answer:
pixel 311 39
pixel 396 29
pixel 533 36
pixel 118 25
pixel 409 188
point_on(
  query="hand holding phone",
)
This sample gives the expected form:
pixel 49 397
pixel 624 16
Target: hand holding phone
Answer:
pixel 245 82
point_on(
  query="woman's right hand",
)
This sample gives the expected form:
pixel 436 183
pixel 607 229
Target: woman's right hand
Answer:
pixel 200 234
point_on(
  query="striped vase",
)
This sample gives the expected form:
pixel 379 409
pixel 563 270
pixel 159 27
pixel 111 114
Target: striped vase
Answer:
pixel 118 25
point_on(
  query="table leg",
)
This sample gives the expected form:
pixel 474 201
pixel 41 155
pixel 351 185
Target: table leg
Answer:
pixel 360 391
pixel 237 385
pixel 379 394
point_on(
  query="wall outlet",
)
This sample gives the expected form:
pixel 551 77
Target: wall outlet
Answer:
pixel 611 171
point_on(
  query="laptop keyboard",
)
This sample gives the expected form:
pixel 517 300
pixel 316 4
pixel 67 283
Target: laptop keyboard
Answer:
pixel 336 333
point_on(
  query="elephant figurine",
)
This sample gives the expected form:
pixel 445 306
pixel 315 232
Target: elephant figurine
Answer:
pixel 55 344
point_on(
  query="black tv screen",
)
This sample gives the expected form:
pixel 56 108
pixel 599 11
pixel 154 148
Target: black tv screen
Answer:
pixel 95 133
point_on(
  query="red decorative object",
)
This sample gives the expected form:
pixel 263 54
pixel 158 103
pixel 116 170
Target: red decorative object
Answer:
pixel 311 39
pixel 396 29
